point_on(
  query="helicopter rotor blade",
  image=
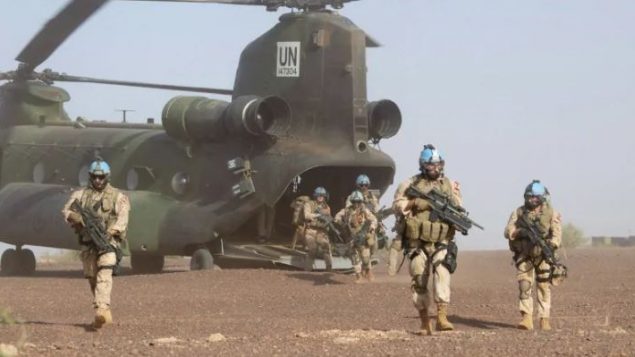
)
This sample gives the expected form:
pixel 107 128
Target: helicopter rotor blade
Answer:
pixel 56 30
pixel 53 76
pixel 271 4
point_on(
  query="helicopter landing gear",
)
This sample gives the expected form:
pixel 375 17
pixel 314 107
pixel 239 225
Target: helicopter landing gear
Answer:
pixel 147 263
pixel 17 262
pixel 202 259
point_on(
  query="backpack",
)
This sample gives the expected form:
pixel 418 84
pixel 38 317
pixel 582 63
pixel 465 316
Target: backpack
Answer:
pixel 298 210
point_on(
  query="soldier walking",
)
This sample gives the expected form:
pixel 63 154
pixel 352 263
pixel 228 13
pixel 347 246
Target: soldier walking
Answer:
pixel 112 208
pixel 533 271
pixel 427 238
pixel 317 213
pixel 361 225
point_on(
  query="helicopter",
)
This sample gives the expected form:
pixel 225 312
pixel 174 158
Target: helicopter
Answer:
pixel 215 176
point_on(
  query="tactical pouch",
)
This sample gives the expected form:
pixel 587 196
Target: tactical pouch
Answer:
pixel 434 231
pixel 450 257
pixel 413 228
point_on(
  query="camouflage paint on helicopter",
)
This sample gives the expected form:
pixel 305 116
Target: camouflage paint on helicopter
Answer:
pixel 298 109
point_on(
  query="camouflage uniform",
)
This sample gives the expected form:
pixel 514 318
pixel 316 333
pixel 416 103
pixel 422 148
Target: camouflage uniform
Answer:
pixel 427 242
pixel 354 219
pixel 372 203
pixel 315 234
pixel 531 268
pixel 112 207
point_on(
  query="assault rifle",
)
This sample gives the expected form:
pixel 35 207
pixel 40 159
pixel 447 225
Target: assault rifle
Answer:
pixel 384 213
pixel 444 209
pixel 93 227
pixel 360 237
pixel 535 234
pixel 327 221
pixel 557 270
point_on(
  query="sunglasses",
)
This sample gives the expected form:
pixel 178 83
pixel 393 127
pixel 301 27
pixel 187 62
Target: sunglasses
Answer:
pixel 98 177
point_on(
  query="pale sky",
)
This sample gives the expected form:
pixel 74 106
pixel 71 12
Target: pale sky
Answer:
pixel 509 91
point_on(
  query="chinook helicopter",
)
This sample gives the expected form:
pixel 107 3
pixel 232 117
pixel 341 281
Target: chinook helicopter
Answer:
pixel 214 175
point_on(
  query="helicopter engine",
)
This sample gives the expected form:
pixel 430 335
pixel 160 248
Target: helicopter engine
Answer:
pixel 190 118
pixel 384 119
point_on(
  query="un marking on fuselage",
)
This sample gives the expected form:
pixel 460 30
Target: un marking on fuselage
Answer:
pixel 288 59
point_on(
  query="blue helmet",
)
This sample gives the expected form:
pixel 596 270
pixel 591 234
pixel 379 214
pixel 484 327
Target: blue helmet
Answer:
pixel 320 191
pixel 99 167
pixel 362 180
pixel 430 155
pixel 535 188
pixel 356 197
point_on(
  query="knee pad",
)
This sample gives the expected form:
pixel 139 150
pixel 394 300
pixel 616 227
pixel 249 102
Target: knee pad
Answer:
pixel 524 289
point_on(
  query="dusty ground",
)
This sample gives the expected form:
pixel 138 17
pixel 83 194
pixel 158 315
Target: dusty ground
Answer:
pixel 269 312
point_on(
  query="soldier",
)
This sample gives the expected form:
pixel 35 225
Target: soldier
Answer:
pixel 370 200
pixel 361 224
pixel 316 213
pixel 530 265
pixel 428 238
pixel 297 219
pixel 112 207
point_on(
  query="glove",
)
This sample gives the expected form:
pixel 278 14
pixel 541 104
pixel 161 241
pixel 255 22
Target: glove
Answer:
pixel 552 244
pixel 75 219
pixel 420 204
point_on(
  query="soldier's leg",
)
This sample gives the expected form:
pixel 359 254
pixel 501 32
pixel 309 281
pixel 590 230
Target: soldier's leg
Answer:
pixel 365 253
pixel 441 284
pixel 297 233
pixel 312 247
pixel 525 277
pixel 394 255
pixel 543 294
pixel 357 264
pixel 89 265
pixel 419 271
pixel 105 264
pixel 325 246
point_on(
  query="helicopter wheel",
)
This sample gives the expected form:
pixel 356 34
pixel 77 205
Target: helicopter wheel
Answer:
pixel 9 262
pixel 202 259
pixel 26 262
pixel 147 264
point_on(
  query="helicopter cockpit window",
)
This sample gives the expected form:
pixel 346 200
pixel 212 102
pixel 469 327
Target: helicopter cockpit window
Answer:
pixel 180 183
pixel 82 177
pixel 39 172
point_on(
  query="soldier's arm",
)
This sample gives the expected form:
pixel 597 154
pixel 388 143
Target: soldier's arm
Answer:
pixel 510 229
pixel 66 211
pixel 122 207
pixel 309 215
pixel 371 217
pixel 556 229
pixel 374 203
pixel 401 204
pixel 457 197
pixel 339 217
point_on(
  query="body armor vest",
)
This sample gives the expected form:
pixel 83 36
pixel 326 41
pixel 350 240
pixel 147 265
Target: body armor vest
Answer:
pixel 102 203
pixel 423 224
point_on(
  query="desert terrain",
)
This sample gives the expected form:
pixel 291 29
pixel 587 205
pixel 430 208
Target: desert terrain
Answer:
pixel 244 312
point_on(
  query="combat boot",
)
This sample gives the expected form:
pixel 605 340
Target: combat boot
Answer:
pixel 426 324
pixel 544 324
pixel 369 275
pixel 102 317
pixel 358 278
pixel 442 318
pixel 527 322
